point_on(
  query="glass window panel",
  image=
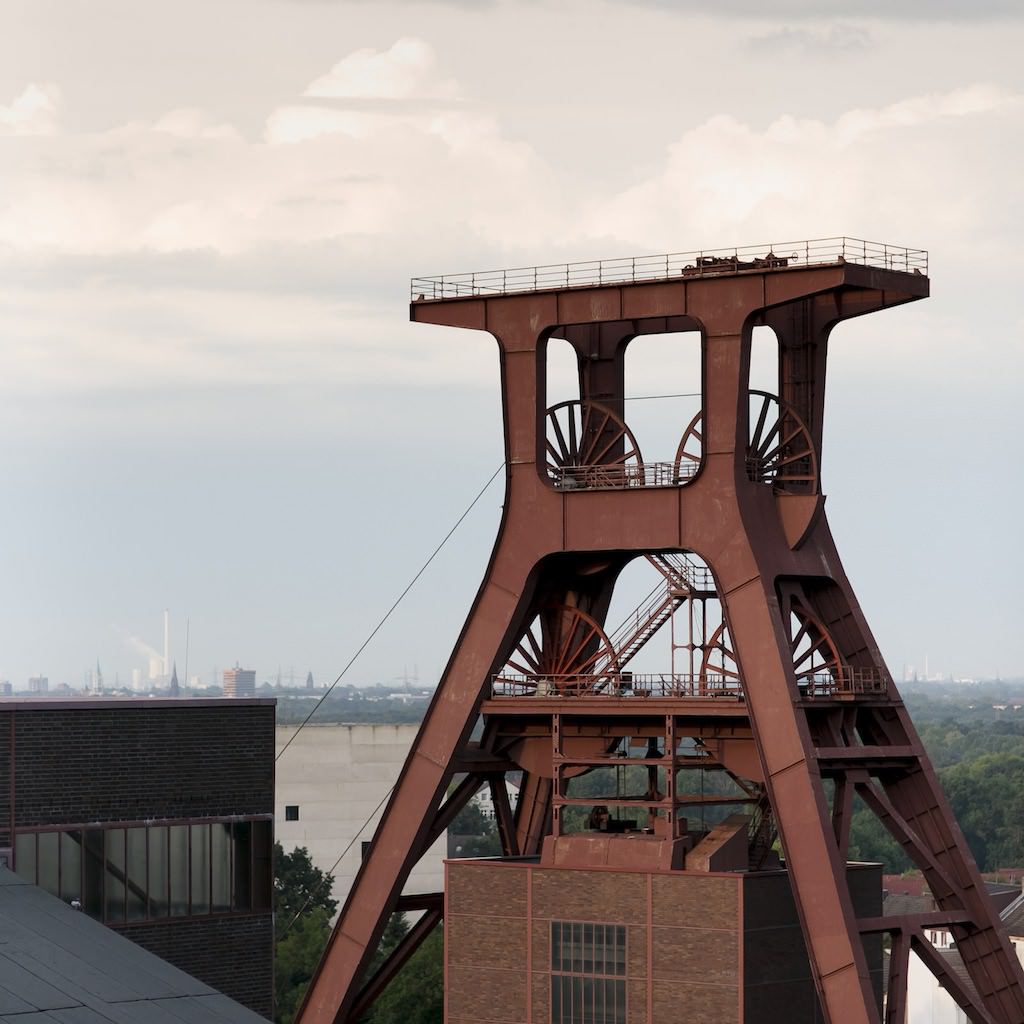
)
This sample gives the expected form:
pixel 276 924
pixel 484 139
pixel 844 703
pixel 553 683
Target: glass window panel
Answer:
pixel 47 862
pixel 220 863
pixel 556 946
pixel 241 834
pixel 556 999
pixel 70 866
pixel 25 855
pixel 618 992
pixel 619 947
pixel 158 871
pixel 115 874
pixel 588 949
pixel 136 882
pixel 92 872
pixel 586 1006
pixel 178 859
pixel 262 867
pixel 200 869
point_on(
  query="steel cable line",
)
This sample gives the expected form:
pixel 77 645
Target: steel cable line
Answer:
pixel 387 615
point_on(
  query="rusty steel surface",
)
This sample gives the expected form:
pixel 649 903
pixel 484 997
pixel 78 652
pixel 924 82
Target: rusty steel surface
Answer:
pixel 785 686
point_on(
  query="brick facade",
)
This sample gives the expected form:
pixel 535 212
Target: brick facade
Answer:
pixel 727 947
pixel 101 762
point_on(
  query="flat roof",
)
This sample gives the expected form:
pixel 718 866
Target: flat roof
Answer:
pixel 766 257
pixel 58 964
pixel 63 701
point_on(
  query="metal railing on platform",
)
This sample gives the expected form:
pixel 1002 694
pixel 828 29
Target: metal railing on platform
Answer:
pixel 838 682
pixel 611 477
pixel 615 684
pixel 844 681
pixel 699 263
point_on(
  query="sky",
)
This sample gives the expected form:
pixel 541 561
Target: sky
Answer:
pixel 212 400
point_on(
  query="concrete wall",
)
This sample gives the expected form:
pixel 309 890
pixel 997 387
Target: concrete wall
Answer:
pixel 927 1001
pixel 337 776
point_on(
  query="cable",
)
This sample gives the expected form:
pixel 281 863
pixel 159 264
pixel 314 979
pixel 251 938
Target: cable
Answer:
pixel 387 614
pixel 328 874
pixel 647 398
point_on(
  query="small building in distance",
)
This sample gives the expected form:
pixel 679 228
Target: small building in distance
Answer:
pixel 332 785
pixel 239 682
pixel 156 818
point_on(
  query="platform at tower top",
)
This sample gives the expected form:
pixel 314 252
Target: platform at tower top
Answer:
pixel 770 256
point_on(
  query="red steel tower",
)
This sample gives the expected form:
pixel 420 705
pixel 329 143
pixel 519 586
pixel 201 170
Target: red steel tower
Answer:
pixel 781 687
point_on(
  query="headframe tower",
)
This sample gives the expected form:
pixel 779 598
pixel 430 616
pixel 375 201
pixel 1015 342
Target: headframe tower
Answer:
pixel 784 688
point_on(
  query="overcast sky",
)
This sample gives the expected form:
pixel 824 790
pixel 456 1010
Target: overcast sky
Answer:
pixel 212 401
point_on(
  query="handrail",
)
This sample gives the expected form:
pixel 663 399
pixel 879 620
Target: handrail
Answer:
pixel 616 684
pixel 836 681
pixel 616 476
pixel 699 263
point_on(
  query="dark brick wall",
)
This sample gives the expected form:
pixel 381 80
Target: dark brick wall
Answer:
pixel 230 954
pixel 777 970
pixel 132 762
pixel 6 821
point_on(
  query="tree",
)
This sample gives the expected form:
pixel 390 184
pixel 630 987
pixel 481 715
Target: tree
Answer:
pixel 296 955
pixel 416 994
pixel 299 887
pixel 303 909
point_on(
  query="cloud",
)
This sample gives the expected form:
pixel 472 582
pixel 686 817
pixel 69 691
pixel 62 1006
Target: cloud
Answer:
pixel 905 168
pixel 826 42
pixel 404 71
pixel 34 112
pixel 908 10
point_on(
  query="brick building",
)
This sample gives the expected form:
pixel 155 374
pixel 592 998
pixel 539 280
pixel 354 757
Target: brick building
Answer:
pixel 155 816
pixel 527 941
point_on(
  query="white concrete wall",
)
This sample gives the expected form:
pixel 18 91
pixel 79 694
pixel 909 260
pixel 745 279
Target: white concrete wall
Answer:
pixel 337 775
pixel 927 1001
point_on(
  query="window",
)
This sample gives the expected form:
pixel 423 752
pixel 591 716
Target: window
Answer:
pixel 147 872
pixel 588 973
pixel 291 812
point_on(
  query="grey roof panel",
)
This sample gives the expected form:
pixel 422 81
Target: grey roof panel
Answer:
pixel 79 1015
pixel 36 1017
pixel 58 966
pixel 52 920
pixel 10 1003
pixel 39 994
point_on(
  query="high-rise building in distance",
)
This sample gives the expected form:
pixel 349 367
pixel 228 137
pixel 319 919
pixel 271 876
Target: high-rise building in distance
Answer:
pixel 239 682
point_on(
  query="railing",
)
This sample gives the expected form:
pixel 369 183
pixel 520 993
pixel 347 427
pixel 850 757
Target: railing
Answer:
pixel 841 681
pixel 844 681
pixel 700 263
pixel 612 477
pixel 684 572
pixel 615 684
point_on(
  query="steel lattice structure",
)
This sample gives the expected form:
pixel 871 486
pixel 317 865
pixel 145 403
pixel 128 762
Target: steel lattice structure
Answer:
pixel 785 687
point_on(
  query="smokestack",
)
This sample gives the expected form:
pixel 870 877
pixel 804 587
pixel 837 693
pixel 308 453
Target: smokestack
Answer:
pixel 167 643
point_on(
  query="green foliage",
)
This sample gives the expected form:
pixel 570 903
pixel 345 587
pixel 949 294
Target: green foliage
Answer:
pixel 987 795
pixel 296 955
pixel 870 841
pixel 303 908
pixel 474 834
pixel 980 761
pixel 416 995
pixel 299 887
